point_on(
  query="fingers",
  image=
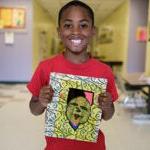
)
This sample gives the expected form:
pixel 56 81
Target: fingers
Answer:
pixel 46 94
pixel 46 90
pixel 104 97
pixel 106 105
pixel 105 100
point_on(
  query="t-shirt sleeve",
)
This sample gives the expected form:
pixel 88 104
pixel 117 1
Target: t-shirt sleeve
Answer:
pixel 111 87
pixel 38 80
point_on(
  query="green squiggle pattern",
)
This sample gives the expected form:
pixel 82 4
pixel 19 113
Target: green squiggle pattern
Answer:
pixel 57 124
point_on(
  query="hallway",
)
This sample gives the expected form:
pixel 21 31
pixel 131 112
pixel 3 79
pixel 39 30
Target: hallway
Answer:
pixel 20 130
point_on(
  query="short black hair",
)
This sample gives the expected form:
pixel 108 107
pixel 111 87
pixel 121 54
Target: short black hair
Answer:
pixel 73 93
pixel 76 3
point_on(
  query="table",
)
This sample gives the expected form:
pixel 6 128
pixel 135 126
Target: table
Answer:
pixel 114 64
pixel 135 80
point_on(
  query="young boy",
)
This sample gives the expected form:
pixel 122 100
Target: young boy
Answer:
pixel 75 28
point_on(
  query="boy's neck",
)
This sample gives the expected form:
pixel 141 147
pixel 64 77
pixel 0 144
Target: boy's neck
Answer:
pixel 77 58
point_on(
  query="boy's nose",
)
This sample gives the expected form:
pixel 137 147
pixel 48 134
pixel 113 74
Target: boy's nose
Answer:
pixel 76 30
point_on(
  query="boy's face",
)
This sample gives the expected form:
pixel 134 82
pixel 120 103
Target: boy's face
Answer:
pixel 76 29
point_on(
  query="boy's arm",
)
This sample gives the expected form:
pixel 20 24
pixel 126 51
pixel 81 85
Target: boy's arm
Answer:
pixel 107 106
pixel 38 104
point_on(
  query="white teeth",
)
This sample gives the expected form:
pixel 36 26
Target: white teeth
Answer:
pixel 76 42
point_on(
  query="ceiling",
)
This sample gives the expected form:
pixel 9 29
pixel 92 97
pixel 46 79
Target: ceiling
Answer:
pixel 102 8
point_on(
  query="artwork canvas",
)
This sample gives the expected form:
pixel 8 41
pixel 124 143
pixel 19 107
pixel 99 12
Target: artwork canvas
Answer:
pixel 12 18
pixel 141 34
pixel 74 112
pixel 106 35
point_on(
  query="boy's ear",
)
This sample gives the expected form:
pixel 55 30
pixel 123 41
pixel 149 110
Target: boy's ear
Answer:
pixel 58 31
pixel 94 30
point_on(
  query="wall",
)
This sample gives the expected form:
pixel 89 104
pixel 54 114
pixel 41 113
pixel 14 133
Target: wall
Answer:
pixel 118 21
pixel 43 33
pixel 137 50
pixel 16 59
pixel 147 70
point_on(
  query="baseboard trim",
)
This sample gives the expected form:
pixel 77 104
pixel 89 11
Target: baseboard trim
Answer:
pixel 13 82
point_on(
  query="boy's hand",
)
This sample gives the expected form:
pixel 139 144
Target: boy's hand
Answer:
pixel 106 104
pixel 45 96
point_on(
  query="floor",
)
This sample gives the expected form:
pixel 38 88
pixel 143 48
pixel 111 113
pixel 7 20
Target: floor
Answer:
pixel 20 130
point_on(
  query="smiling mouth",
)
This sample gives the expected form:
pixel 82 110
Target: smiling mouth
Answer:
pixel 76 42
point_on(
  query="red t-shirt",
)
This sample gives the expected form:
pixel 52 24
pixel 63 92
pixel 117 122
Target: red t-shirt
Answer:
pixel 91 68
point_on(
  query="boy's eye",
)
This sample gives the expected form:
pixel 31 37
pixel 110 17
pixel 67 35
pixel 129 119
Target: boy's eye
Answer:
pixel 84 25
pixel 67 26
